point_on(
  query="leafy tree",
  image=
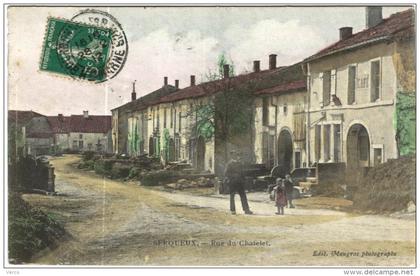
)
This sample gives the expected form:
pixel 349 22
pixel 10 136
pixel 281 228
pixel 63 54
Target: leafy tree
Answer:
pixel 229 113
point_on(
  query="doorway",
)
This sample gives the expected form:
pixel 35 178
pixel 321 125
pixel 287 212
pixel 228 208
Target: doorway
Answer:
pixel 201 152
pixel 171 153
pixel 358 147
pixel 285 151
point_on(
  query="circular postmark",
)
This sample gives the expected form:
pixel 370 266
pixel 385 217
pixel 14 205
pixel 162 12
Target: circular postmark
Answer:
pixel 83 51
pixel 118 52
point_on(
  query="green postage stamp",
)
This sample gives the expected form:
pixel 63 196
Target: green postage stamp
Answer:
pixel 75 49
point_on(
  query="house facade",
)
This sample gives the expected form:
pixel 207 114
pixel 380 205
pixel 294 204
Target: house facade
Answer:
pixel 173 132
pixel 81 133
pixel 28 133
pixel 185 125
pixel 280 122
pixel 39 137
pixel 130 122
pixel 347 104
pixel 353 87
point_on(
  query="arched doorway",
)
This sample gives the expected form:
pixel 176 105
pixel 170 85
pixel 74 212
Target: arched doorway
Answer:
pixel 285 151
pixel 201 151
pixel 151 147
pixel 358 147
pixel 171 148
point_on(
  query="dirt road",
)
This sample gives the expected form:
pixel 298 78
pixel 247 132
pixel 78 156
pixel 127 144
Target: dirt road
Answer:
pixel 117 223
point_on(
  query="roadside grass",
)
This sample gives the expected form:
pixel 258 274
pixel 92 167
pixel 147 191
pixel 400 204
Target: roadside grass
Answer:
pixel 30 230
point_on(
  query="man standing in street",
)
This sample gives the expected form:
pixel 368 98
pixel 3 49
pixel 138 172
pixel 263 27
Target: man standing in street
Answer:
pixel 289 190
pixel 235 179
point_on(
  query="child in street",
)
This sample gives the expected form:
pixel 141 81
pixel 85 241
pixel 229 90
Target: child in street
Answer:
pixel 280 193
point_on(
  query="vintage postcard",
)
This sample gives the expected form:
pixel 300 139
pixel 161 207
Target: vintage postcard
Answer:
pixel 211 136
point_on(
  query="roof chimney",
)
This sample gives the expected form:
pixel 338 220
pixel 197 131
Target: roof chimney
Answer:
pixel 133 94
pixel 176 84
pixel 272 61
pixel 85 114
pixel 346 32
pixel 226 71
pixel 192 80
pixel 373 16
pixel 165 81
pixel 256 65
pixel 60 117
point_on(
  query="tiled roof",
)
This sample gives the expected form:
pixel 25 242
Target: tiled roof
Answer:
pixel 283 88
pixel 91 124
pixel 145 100
pixel 284 76
pixel 78 123
pixel 21 117
pixel 59 124
pixel 398 24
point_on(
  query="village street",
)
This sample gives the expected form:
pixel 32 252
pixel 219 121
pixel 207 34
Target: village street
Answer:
pixel 119 223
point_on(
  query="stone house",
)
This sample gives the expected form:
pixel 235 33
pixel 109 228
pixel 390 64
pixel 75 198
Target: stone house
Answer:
pixel 130 121
pixel 280 121
pixel 29 133
pixel 81 132
pixel 335 107
pixel 353 88
pixel 181 125
pixel 171 129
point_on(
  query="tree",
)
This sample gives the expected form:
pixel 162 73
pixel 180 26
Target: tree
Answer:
pixel 228 115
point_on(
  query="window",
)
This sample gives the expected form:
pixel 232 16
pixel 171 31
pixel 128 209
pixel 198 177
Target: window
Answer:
pixel 265 112
pixel 75 144
pixel 297 159
pixel 164 117
pixel 179 124
pixel 317 142
pixel 271 144
pixel 156 145
pixel 326 88
pixel 264 147
pixel 351 90
pixel 172 118
pixel 377 156
pixel 80 136
pixel 81 144
pixel 268 150
pixel 153 117
pixel 375 80
pixel 177 147
pixel 151 146
pixel 157 119
pixel 327 142
pixel 337 143
pixel 89 146
pixel 285 109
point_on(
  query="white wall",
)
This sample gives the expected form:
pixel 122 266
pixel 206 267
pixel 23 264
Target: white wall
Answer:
pixel 187 122
pixel 62 140
pixel 284 121
pixel 89 138
pixel 377 117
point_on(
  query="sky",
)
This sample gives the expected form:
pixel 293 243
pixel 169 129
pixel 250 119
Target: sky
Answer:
pixel 168 41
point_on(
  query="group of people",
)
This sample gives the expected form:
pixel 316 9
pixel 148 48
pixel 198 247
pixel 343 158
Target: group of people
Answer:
pixel 234 178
